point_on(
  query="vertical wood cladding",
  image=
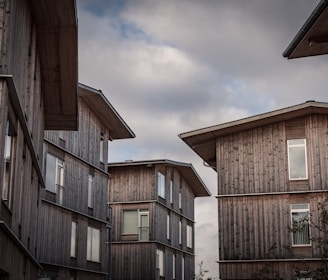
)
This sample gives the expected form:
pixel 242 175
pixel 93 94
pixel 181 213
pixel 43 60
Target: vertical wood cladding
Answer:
pixel 254 222
pixel 19 57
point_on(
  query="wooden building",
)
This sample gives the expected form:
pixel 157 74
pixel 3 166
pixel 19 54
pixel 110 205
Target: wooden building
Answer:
pixel 75 218
pixel 38 90
pixel 312 38
pixel 153 219
pixel 272 176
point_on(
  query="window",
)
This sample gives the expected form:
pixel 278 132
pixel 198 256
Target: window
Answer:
pixel 297 162
pixel 90 191
pixel 101 147
pixel 73 239
pixel 8 166
pixel 180 232
pixel 168 226
pixel 136 222
pixel 180 199
pixel 55 176
pixel 171 191
pixel 300 224
pixel 93 245
pixel 173 266
pixel 160 262
pixel 183 268
pixel 161 184
pixel 189 236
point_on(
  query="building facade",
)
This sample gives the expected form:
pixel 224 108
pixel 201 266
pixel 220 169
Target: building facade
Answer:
pixel 31 58
pixel 152 206
pixel 272 184
pixel 75 222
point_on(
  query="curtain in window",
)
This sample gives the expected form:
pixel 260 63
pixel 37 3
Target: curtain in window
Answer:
pixel 301 228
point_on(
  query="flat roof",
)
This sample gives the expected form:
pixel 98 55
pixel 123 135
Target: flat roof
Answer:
pixel 103 109
pixel 312 38
pixel 203 141
pixel 186 169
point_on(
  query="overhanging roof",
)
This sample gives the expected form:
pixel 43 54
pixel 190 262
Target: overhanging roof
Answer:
pixel 186 169
pixel 99 104
pixel 57 44
pixel 312 38
pixel 203 141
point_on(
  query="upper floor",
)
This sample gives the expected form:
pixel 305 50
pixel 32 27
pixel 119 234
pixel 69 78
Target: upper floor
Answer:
pixel 276 152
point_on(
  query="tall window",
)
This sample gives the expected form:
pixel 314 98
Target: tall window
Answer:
pixel 173 266
pixel 180 232
pixel 101 147
pixel 160 262
pixel 93 245
pixel 8 166
pixel 180 200
pixel 73 239
pixel 168 226
pixel 300 225
pixel 183 268
pixel 90 191
pixel 171 191
pixel 189 236
pixel 161 184
pixel 55 176
pixel 297 161
pixel 136 222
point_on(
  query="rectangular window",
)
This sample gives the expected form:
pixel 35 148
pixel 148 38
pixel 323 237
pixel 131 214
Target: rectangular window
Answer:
pixel 180 232
pixel 73 239
pixel 189 236
pixel 180 200
pixel 93 245
pixel 136 222
pixel 173 267
pixel 160 262
pixel 183 268
pixel 90 191
pixel 171 191
pixel 55 176
pixel 300 224
pixel 168 226
pixel 297 160
pixel 161 184
pixel 101 147
pixel 8 164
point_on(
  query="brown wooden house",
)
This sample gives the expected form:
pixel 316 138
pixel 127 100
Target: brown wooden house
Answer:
pixel 153 219
pixel 272 175
pixel 38 74
pixel 75 218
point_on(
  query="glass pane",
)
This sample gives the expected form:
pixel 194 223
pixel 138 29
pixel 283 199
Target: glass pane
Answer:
pixel 300 228
pixel 144 227
pixel 130 222
pixel 51 173
pixel 296 142
pixel 297 163
pixel 90 192
pixel 95 244
pixel 73 240
pixel 89 244
pixel 161 184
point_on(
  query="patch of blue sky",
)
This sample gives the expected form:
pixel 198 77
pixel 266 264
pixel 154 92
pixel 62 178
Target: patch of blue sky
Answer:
pixel 102 8
pixel 241 96
pixel 130 31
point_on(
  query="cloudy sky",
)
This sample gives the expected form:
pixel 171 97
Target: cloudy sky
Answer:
pixel 173 66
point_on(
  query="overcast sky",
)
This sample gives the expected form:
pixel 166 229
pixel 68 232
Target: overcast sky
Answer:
pixel 173 66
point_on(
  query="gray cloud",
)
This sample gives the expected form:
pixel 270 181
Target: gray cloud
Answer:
pixel 173 66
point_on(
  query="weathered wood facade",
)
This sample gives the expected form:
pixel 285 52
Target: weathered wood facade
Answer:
pixel 75 218
pixel 26 84
pixel 256 191
pixel 160 246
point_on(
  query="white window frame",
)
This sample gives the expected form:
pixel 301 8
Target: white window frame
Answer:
pixel 93 244
pixel 73 239
pixel 168 226
pixel 55 184
pixel 189 236
pixel 293 144
pixel 180 232
pixel 160 262
pixel 300 208
pixel 171 191
pixel 90 191
pixel 137 228
pixel 161 184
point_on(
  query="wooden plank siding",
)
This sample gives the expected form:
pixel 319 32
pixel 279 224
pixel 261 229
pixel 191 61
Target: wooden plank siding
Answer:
pixel 133 187
pixel 255 194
